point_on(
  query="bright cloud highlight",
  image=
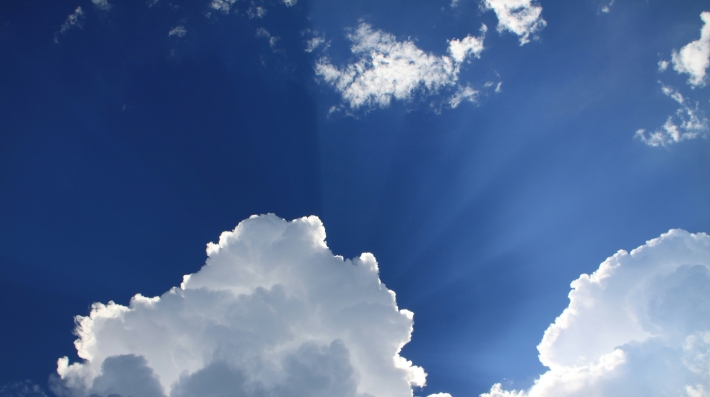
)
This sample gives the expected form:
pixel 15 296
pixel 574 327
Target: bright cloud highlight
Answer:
pixel 272 312
pixel 694 58
pixel 388 69
pixel 639 325
pixel 521 17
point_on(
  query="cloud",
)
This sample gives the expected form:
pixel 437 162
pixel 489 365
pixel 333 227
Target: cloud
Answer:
pixel 694 58
pixel 222 5
pixel 639 325
pixel 606 8
pixel 256 12
pixel 290 3
pixel 687 123
pixel 102 5
pixel 21 389
pixel 74 20
pixel 521 17
pixel 178 31
pixel 314 43
pixel 387 69
pixel 272 312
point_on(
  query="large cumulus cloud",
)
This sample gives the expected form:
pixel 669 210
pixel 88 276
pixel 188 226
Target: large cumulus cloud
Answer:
pixel 272 313
pixel 638 326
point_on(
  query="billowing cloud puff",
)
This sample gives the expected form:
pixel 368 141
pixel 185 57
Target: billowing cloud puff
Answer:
pixel 74 20
pixel 694 58
pixel 688 122
pixel 388 69
pixel 521 17
pixel 638 326
pixel 272 313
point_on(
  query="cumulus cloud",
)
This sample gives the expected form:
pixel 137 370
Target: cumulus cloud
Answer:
pixel 688 122
pixel 102 5
pixel 290 3
pixel 521 17
pixel 272 313
pixel 178 31
pixel 74 20
pixel 387 69
pixel 694 58
pixel 638 326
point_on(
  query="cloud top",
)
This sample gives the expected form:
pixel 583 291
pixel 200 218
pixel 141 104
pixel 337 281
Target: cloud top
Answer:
pixel 272 312
pixel 387 69
pixel 639 325
pixel 694 58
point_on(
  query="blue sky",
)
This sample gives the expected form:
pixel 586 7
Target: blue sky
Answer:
pixel 133 133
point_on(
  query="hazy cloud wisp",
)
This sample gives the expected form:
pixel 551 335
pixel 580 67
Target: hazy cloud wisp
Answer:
pixel 688 122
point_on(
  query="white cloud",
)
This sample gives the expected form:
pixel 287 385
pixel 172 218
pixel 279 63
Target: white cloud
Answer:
pixel 256 12
pixel 222 5
pixel 687 123
pixel 639 325
pixel 74 20
pixel 606 8
pixel 102 5
pixel 272 312
pixel 694 58
pixel 521 17
pixel 314 43
pixel 663 65
pixel 290 3
pixel 388 69
pixel 178 31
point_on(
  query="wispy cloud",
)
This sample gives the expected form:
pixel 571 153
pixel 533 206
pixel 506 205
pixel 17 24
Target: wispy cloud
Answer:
pixel 688 122
pixel 636 326
pixel 521 17
pixel 102 5
pixel 74 20
pixel 387 69
pixel 694 58
pixel 178 31
pixel 256 12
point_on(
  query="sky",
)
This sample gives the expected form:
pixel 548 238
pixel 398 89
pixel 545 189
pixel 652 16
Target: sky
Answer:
pixel 497 198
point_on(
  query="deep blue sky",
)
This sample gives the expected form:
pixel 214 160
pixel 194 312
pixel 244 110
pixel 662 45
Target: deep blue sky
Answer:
pixel 124 151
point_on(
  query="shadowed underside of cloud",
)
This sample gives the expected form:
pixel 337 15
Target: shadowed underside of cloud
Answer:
pixel 387 69
pixel 520 17
pixel 272 313
pixel 638 326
